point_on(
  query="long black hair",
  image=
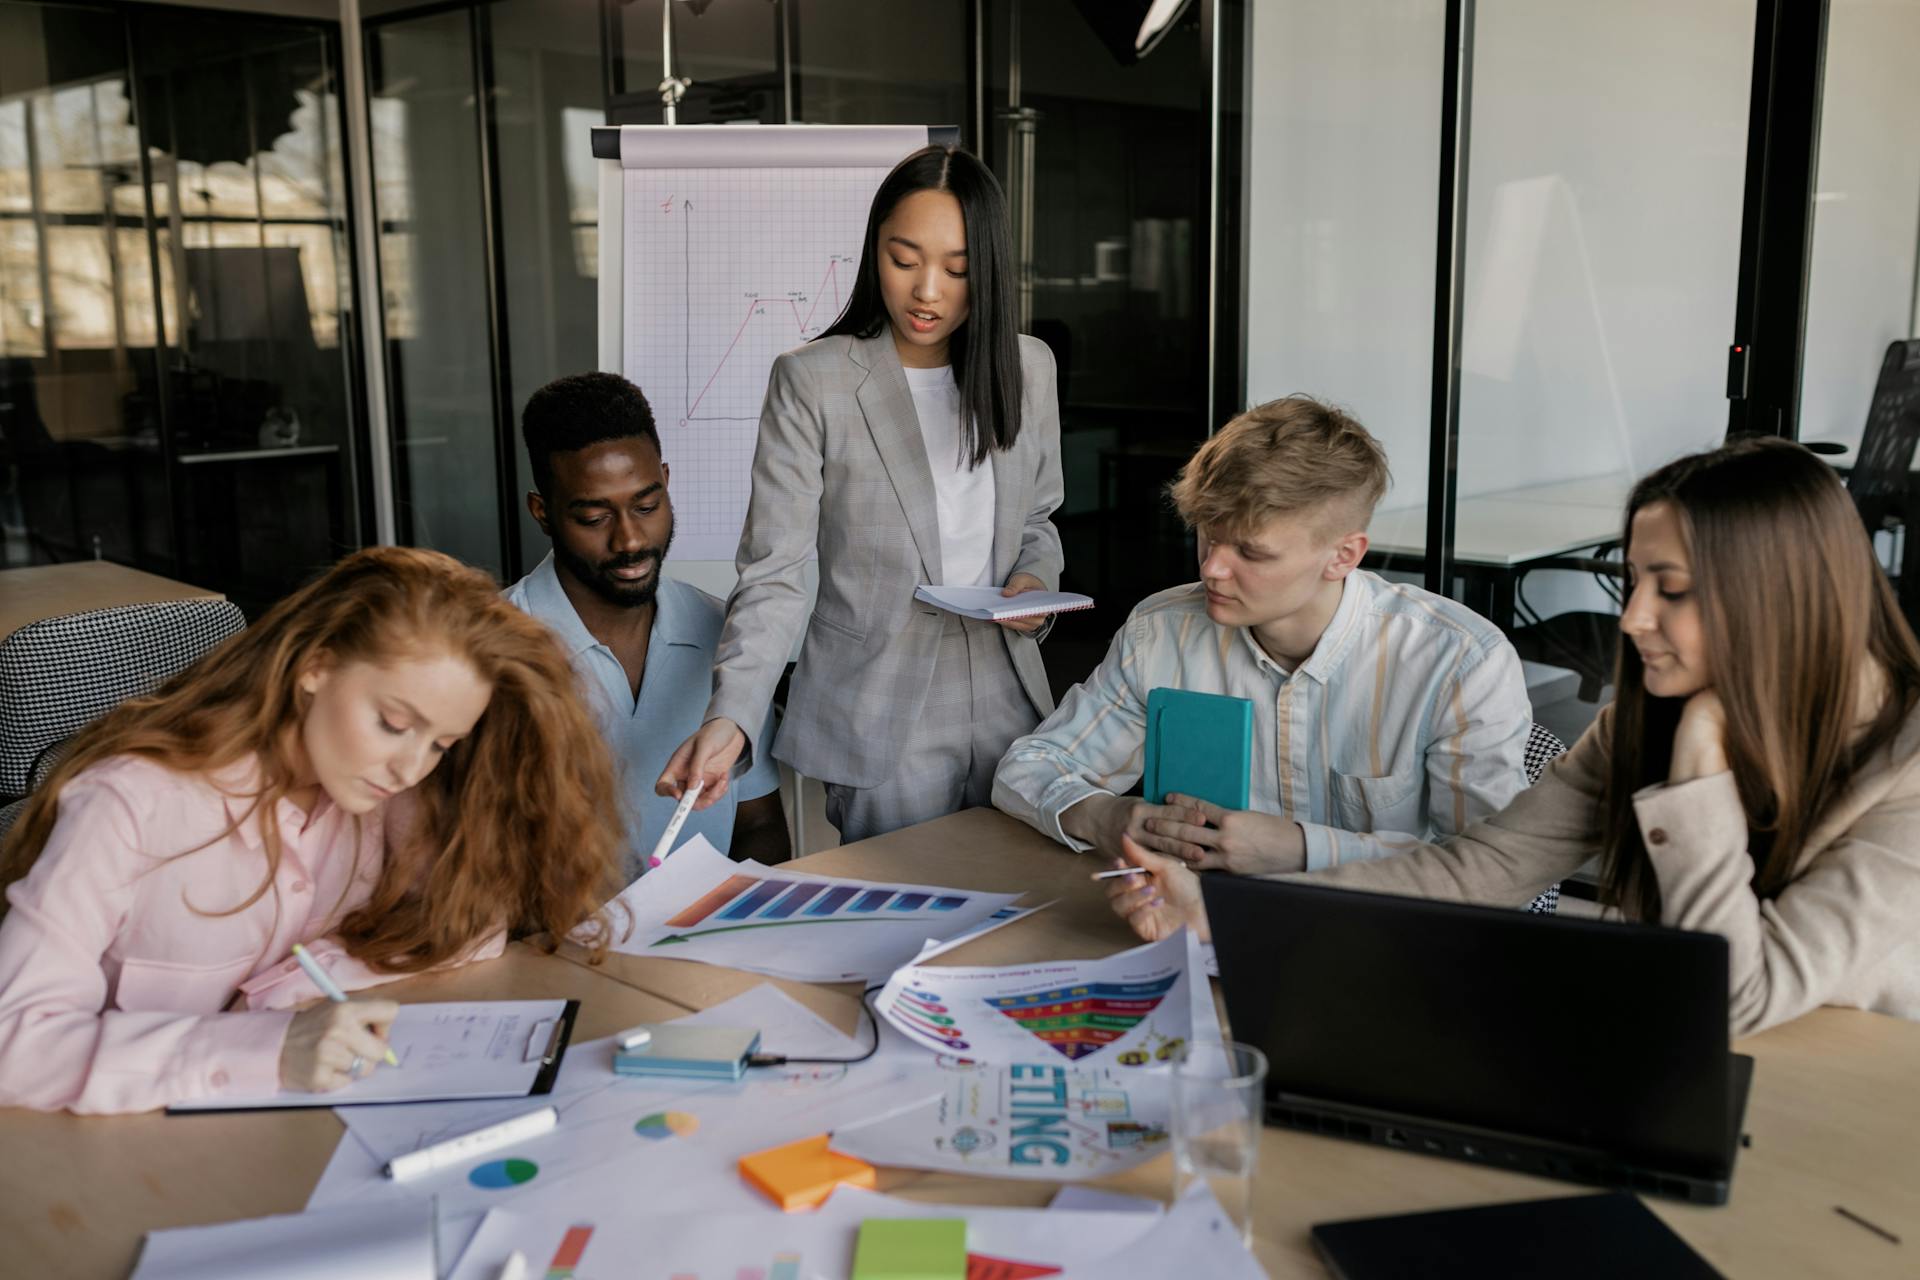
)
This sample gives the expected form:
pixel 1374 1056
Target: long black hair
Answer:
pixel 985 349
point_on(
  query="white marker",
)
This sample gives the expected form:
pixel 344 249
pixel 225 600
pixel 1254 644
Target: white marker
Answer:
pixel 677 821
pixel 638 1038
pixel 515 1267
pixel 441 1154
pixel 1118 871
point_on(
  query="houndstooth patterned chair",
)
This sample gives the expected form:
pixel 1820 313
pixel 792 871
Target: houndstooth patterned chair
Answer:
pixel 58 674
pixel 1542 747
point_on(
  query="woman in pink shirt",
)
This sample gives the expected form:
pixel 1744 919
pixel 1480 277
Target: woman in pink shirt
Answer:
pixel 391 767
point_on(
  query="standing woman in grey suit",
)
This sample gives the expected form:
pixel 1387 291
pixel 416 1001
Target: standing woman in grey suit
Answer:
pixel 916 441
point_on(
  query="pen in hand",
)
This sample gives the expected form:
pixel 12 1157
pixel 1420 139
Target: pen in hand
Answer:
pixel 664 845
pixel 328 988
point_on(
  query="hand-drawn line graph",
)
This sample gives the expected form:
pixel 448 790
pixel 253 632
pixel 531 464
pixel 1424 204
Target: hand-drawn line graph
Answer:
pixel 725 269
pixel 804 328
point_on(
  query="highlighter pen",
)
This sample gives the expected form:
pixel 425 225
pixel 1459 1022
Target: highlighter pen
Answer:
pixel 431 1159
pixel 679 820
pixel 328 988
pixel 1118 871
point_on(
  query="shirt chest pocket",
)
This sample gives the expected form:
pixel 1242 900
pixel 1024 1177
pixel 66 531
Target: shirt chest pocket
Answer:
pixel 164 986
pixel 1393 802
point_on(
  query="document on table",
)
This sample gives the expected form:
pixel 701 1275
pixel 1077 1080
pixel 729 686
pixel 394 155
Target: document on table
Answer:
pixel 595 1230
pixel 464 1049
pixel 390 1241
pixel 1131 1010
pixel 699 905
pixel 671 1144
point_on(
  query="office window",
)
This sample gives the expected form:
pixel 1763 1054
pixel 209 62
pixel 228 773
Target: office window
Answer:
pixel 1343 160
pixel 433 265
pixel 546 60
pixel 82 466
pixel 1105 164
pixel 877 62
pixel 1866 214
pixel 729 52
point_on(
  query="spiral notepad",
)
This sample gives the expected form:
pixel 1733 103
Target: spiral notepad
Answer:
pixel 988 605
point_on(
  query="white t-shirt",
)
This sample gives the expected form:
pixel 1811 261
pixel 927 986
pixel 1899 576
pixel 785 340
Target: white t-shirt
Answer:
pixel 963 493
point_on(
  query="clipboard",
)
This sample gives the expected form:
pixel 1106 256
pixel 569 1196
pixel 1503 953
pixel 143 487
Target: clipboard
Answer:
pixel 1198 744
pixel 461 1051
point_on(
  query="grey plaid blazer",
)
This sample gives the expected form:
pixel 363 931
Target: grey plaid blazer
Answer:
pixel 841 468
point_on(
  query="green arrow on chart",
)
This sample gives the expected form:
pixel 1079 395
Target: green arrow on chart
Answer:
pixel 770 924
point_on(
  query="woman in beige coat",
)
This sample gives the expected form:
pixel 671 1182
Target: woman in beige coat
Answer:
pixel 1757 774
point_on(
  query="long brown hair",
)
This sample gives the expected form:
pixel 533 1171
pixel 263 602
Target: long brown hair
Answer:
pixel 516 828
pixel 1797 617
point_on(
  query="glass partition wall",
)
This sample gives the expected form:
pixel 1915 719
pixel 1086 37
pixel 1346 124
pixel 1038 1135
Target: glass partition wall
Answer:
pixel 1591 257
pixel 174 379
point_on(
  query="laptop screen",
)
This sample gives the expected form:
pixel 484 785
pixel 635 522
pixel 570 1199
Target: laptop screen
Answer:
pixel 1601 1035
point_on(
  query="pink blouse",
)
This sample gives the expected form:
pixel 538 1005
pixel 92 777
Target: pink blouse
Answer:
pixel 118 957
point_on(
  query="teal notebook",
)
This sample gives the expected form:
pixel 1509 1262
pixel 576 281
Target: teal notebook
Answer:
pixel 1198 744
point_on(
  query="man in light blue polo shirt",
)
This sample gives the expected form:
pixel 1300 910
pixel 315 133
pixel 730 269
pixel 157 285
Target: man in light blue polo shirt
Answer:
pixel 642 643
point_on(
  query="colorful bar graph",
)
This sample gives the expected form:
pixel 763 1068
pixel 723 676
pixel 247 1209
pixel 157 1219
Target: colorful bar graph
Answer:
pixel 831 901
pixel 948 904
pixel 711 901
pixel 910 901
pixel 786 1266
pixel 872 900
pixel 767 891
pixel 792 902
pixel 572 1246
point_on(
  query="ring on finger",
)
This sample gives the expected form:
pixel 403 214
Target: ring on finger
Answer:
pixel 355 1067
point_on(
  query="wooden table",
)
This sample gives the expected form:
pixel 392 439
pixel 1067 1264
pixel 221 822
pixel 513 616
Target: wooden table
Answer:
pixel 53 590
pixel 78 1192
pixel 1832 1115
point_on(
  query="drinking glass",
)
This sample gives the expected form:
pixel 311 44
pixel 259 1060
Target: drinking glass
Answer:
pixel 1218 1090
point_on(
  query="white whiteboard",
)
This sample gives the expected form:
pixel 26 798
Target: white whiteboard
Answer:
pixel 722 246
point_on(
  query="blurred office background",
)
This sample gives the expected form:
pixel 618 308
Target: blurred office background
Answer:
pixel 276 277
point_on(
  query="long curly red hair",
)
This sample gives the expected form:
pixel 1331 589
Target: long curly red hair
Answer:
pixel 518 827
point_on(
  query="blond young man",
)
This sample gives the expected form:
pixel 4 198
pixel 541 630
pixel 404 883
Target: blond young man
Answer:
pixel 1384 715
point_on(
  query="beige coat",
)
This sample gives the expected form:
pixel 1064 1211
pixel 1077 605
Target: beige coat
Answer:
pixel 1846 931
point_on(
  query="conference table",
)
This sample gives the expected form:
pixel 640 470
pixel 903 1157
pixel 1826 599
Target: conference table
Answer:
pixel 1832 1119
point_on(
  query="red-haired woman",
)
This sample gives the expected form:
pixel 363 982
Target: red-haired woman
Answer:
pixel 1758 772
pixel 390 767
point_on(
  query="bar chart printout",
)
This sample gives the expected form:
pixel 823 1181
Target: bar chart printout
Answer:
pixel 700 905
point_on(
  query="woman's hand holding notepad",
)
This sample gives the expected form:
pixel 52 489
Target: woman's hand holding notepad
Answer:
pixel 988 605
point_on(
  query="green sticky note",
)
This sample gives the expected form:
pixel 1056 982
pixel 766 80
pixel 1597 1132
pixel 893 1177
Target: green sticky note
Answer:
pixel 911 1249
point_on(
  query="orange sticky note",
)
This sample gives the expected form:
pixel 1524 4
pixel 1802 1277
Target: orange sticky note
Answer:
pixel 802 1174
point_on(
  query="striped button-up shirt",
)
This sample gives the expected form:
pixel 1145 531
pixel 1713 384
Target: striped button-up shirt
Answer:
pixel 1408 722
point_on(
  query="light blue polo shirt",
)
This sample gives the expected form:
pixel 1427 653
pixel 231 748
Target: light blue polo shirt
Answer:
pixel 642 733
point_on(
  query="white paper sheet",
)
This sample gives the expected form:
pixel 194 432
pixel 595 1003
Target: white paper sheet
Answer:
pixel 595 1236
pixel 987 604
pixel 700 905
pixel 1129 1010
pixel 1193 1238
pixel 667 1143
pixel 391 1241
pixel 461 1049
pixel 1044 1121
pixel 998 920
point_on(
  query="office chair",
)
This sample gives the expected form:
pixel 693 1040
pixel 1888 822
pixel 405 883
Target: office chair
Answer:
pixel 1542 748
pixel 59 674
pixel 1583 642
pixel 1880 480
